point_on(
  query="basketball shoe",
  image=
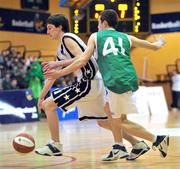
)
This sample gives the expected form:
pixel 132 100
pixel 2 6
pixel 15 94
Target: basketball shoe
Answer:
pixel 138 149
pixel 117 152
pixel 51 149
pixel 162 143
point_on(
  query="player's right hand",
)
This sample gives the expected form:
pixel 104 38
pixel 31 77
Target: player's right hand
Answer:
pixel 49 65
pixel 160 41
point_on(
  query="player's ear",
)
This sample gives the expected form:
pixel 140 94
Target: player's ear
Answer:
pixel 60 27
pixel 105 23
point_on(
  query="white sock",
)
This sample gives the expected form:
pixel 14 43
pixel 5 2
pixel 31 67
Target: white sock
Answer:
pixel 52 141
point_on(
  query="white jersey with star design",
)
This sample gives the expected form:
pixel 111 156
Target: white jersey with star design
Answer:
pixel 63 53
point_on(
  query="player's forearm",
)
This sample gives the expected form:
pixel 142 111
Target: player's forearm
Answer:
pixel 48 84
pixel 146 44
pixel 65 63
pixel 77 64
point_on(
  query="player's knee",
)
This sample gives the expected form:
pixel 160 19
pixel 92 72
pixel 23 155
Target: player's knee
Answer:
pixel 123 119
pixel 48 105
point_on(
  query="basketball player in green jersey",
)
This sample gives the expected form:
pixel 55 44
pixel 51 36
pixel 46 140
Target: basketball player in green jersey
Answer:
pixel 112 50
pixel 87 93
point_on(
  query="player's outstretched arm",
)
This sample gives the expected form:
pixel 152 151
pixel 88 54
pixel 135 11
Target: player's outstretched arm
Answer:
pixel 136 42
pixel 56 64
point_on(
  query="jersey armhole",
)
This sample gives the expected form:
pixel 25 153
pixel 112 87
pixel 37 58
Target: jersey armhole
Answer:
pixel 94 35
pixel 63 42
pixel 129 40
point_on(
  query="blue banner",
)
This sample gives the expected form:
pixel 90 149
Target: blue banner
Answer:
pixel 23 21
pixel 71 114
pixel 168 22
pixel 17 106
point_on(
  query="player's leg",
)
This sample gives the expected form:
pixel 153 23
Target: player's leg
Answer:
pixel 53 148
pixel 118 149
pixel 92 107
pixel 124 103
pixel 139 147
pixel 161 141
pixel 105 124
pixel 61 98
pixel 49 107
pixel 136 129
pixel 120 103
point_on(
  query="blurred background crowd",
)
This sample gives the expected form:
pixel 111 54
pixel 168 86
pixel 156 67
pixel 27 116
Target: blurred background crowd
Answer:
pixel 19 72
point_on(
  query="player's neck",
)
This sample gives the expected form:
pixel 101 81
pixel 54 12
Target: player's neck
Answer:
pixel 109 28
pixel 61 35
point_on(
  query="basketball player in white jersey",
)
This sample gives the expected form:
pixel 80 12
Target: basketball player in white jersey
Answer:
pixel 88 93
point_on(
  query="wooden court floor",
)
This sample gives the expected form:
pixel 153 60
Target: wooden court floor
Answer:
pixel 84 143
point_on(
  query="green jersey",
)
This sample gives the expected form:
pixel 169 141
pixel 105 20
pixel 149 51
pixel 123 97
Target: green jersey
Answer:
pixel 113 58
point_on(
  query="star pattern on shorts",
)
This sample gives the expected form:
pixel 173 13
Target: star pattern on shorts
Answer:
pixel 77 90
pixel 88 71
pixel 66 97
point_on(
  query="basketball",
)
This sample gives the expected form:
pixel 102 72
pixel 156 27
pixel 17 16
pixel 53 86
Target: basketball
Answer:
pixel 24 143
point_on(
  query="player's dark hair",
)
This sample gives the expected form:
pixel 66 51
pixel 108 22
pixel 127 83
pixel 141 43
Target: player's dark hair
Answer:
pixel 57 20
pixel 110 16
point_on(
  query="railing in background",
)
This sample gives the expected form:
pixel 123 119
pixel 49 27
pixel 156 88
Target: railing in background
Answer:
pixel 19 48
pixel 5 43
pixel 46 58
pixel 33 53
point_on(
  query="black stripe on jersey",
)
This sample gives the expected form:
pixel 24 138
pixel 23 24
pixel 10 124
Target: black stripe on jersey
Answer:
pixel 68 95
pixel 62 51
pixel 88 66
pixel 58 58
pixel 66 46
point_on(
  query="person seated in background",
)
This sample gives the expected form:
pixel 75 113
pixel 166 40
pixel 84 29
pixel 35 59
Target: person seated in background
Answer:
pixel 6 82
pixel 175 79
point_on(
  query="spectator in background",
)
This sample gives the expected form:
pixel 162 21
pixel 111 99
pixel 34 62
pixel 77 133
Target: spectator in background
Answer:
pixel 9 83
pixel 1 59
pixel 175 78
pixel 14 66
pixel 35 79
pixel 14 84
pixel 6 83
